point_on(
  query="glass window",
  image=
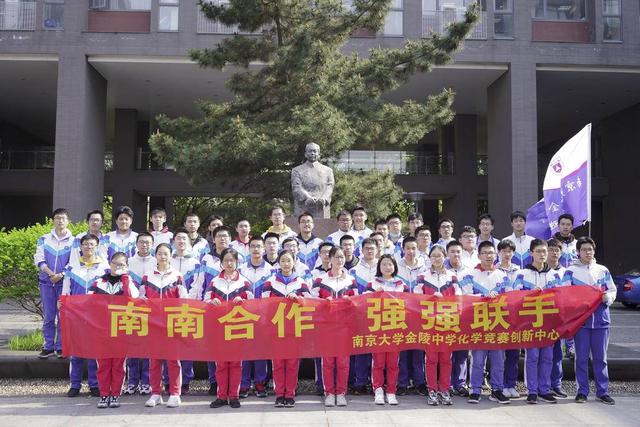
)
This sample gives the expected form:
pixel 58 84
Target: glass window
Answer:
pixel 53 14
pixel 611 20
pixel 393 22
pixel 168 15
pixel 120 4
pixel 560 10
pixel 503 19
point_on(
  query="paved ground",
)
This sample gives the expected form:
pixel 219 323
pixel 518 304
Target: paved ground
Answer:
pixel 412 411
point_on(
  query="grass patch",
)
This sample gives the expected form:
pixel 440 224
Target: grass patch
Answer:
pixel 29 342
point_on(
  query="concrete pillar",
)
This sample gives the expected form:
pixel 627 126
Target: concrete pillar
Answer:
pixel 78 179
pixel 512 144
pixel 124 167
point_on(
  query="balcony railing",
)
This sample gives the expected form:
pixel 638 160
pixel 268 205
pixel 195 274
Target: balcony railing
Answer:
pixel 207 26
pixel 437 21
pixel 17 16
pixel 146 162
pixel 37 160
pixel 399 162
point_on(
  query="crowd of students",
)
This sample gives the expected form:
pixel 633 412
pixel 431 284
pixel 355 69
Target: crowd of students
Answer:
pixel 353 260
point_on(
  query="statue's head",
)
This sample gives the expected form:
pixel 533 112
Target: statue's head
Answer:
pixel 312 152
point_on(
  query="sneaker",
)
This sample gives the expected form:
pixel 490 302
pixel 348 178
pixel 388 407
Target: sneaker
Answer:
pixel 463 391
pixel 103 402
pixel 114 402
pixel 359 390
pixel 549 398
pixel 571 353
pixel 213 389
pixel 474 398
pixel 319 390
pixel 392 399
pixel 44 354
pixel 289 402
pixel 401 391
pixel 422 390
pixel 581 398
pixel 218 403
pixel 184 390
pixel 145 389
pixel 558 392
pixel 511 393
pixel 279 402
pixel 606 399
pixel 94 392
pixel 174 401
pixel 131 390
pixel 166 388
pixel 532 399
pixel 330 400
pixel 234 403
pixel 378 398
pixel 59 354
pixel 445 398
pixel 154 400
pixel 432 398
pixel 498 396
pixel 261 392
pixel 341 400
pixel 485 384
pixel 243 393
pixel 73 392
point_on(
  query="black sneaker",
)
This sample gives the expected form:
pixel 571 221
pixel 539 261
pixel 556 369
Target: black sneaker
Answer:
pixel 213 389
pixel 289 402
pixel 498 396
pixel 532 399
pixel 184 390
pixel 44 354
pixel 73 392
pixel 319 390
pixel 559 393
pixel 243 393
pixel 474 398
pixel 581 398
pixel 261 393
pixel 234 403
pixel 104 402
pixel 463 391
pixel 401 391
pixel 59 354
pixel 94 392
pixel 549 398
pixel 606 399
pixel 359 391
pixel 279 402
pixel 114 402
pixel 422 390
pixel 218 403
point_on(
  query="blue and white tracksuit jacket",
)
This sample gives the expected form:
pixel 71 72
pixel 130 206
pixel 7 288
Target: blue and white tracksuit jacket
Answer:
pixel 53 251
pixel 409 275
pixel 140 266
pixel 337 235
pixel 243 250
pixel 522 255
pixel 191 270
pixel 76 253
pixel 309 250
pixel 569 252
pixel 364 274
pixel 200 247
pixel 118 243
pixel 360 235
pixel 257 275
pixel 80 276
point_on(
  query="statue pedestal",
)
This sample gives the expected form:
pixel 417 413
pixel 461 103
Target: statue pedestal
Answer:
pixel 322 227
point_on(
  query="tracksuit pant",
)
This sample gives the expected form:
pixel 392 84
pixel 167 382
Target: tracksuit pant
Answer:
pixel 385 361
pixel 138 372
pixel 318 364
pixel 211 370
pixel 110 376
pixel 511 359
pixel 76 366
pixel 411 366
pixel 285 377
pixel 335 374
pixel 259 373
pixel 439 381
pixel 478 361
pixel 187 372
pixel 537 373
pixel 594 342
pixel 459 368
pixel 228 377
pixel 175 376
pixel 556 365
pixel 362 369
pixel 49 294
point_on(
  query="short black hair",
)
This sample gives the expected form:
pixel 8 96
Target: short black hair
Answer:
pixel 467 229
pixel 126 210
pixel 517 214
pixel 345 238
pixel 190 215
pixel 290 239
pixel 537 242
pixel 156 210
pixel 270 235
pixel 220 229
pixel 438 247
pixel 485 244
pixel 566 216
pixel 506 243
pixel 395 265
pixel 274 207
pixel 323 244
pixel 379 222
pixel 554 243
pixel 95 212
pixel 358 208
pixel 163 245
pixel 144 234
pixel 414 216
pixel 214 216
pixel 342 213
pixel 89 236
pixel 256 238
pixel 369 241
pixel 450 221
pixel 287 252
pixel 393 216
pixel 423 228
pixel 334 250
pixel 409 239
pixel 231 251
pixel 303 214
pixel 486 216
pixel 585 240
pixel 118 255
pixel 60 211
pixel 243 219
pixel 453 243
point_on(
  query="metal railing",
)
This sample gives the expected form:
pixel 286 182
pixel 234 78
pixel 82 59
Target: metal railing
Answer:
pixel 17 16
pixel 399 162
pixel 205 25
pixel 38 160
pixel 146 161
pixel 438 21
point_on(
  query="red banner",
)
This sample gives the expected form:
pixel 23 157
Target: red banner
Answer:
pixel 96 326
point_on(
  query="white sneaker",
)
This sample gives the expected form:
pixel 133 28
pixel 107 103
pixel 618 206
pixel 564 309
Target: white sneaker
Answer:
pixel 330 400
pixel 145 390
pixel 391 398
pixel 506 392
pixel 174 401
pixel 379 396
pixel 513 393
pixel 341 400
pixel 154 400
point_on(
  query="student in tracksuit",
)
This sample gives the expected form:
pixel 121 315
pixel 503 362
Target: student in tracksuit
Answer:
pixel 241 242
pixel 439 282
pixel 164 282
pixel 487 281
pixel 94 219
pixel 568 256
pixel 199 245
pixel 522 255
pixel 159 230
pixel 308 244
pixel 229 285
pixel 111 371
pixel 77 281
pixel 336 283
pixel 593 337
pixel 286 283
pixel 51 259
pixel 538 361
pixel 386 280
pixel 122 239
pixel 143 263
pixel 360 231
